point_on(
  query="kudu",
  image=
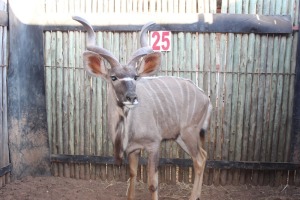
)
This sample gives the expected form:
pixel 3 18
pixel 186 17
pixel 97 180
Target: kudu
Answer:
pixel 143 111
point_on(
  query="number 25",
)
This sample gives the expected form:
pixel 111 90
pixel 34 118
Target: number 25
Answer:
pixel 161 40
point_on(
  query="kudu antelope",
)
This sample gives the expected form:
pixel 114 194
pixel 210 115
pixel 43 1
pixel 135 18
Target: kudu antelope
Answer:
pixel 143 110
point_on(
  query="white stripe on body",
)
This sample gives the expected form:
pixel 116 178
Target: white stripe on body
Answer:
pixel 165 97
pixel 175 77
pixel 156 106
pixel 195 100
pixel 173 98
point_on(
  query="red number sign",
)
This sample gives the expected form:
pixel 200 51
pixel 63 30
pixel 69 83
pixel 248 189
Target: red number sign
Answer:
pixel 161 40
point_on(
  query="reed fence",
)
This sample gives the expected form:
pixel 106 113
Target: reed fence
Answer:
pixel 249 78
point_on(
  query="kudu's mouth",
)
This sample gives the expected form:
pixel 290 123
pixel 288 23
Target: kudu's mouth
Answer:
pixel 129 104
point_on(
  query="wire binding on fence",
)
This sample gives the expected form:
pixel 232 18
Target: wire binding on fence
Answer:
pixel 196 71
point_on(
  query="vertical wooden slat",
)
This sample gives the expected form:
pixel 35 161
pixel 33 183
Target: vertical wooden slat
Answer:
pixel 170 6
pixel 242 111
pixel 152 5
pixel 257 7
pixel 77 103
pixel 181 64
pixel 53 104
pixel 200 81
pixel 49 97
pixel 280 111
pixel 171 145
pixel 254 132
pixel 71 64
pixel 77 87
pixel 260 154
pixel 59 88
pixel 87 122
pixel 176 6
pixel 264 42
pixel 65 102
pixel 244 92
pixel 213 97
pixel 267 105
pixel 273 85
pixel 214 176
pixel 108 44
pixel 187 67
pixel 277 95
pixel 173 64
pixel 98 127
pixel 101 103
pixel 82 130
pixel 93 125
pixel 225 110
pixel 135 6
pixel 206 88
pixel 285 64
pixel 100 7
pixel 234 114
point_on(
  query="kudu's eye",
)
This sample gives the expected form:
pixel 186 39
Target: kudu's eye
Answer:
pixel 113 78
pixel 136 77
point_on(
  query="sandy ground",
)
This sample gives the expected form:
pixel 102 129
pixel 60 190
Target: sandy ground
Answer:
pixel 57 188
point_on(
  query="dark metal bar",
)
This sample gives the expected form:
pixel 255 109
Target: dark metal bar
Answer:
pixel 5 170
pixel 219 23
pixel 214 164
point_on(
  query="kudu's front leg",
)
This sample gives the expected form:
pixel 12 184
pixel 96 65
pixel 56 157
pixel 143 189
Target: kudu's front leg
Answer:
pixel 153 161
pixel 133 159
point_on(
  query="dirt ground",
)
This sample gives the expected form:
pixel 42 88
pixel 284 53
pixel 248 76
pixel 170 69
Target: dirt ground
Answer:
pixel 56 188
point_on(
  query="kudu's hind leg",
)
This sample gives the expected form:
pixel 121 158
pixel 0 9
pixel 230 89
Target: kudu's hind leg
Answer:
pixel 133 159
pixel 199 166
pixel 192 145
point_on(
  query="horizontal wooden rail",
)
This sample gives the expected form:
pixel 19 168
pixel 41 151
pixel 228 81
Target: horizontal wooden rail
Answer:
pixel 214 164
pixel 206 23
pixel 5 170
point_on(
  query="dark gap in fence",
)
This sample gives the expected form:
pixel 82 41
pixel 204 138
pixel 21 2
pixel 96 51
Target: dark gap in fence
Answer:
pixel 295 144
pixel 5 170
pixel 212 164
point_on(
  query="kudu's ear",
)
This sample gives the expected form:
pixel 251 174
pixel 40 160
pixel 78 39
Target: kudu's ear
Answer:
pixel 94 65
pixel 150 64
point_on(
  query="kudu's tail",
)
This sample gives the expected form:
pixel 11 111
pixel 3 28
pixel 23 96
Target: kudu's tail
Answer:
pixel 206 122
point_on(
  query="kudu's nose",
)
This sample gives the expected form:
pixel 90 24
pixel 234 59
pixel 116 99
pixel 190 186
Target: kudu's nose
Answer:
pixel 132 98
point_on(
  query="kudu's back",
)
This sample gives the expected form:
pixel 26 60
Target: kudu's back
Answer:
pixel 168 106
